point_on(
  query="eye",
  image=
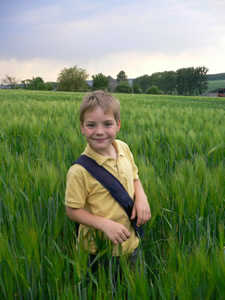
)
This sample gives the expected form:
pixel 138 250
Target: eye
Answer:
pixel 108 124
pixel 90 125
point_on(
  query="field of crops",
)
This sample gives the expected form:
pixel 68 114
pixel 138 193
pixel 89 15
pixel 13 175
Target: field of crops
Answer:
pixel 178 145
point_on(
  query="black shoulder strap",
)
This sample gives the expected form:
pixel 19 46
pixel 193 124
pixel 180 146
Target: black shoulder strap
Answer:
pixel 110 182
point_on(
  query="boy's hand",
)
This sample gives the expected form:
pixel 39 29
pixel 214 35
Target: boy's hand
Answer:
pixel 116 232
pixel 141 209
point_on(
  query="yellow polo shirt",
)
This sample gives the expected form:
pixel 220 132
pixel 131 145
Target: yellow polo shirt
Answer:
pixel 84 191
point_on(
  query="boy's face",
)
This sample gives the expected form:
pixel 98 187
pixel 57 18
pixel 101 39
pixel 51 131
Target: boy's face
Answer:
pixel 100 130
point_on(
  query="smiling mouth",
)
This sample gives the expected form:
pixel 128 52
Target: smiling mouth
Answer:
pixel 99 140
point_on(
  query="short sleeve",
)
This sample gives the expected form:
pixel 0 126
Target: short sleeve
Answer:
pixel 76 194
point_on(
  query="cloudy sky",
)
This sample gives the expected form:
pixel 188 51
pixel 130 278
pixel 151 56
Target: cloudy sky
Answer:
pixel 40 38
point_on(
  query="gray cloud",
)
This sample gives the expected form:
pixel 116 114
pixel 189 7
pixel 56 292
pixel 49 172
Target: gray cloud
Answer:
pixel 79 32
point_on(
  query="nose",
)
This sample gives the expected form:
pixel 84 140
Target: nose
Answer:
pixel 99 130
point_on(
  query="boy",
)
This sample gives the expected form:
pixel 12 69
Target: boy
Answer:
pixel 87 201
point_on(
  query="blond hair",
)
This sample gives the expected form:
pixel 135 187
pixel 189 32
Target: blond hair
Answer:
pixel 102 99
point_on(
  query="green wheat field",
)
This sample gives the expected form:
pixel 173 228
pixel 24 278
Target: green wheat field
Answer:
pixel 179 147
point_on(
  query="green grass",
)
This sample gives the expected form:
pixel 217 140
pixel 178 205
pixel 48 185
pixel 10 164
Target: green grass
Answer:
pixel 178 145
pixel 215 84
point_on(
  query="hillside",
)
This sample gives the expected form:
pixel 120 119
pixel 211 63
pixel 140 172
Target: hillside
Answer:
pixel 215 77
pixel 215 84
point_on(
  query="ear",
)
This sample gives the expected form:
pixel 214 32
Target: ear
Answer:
pixel 118 126
pixel 82 128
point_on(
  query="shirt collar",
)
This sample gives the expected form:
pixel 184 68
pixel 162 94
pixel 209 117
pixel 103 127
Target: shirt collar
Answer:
pixel 100 159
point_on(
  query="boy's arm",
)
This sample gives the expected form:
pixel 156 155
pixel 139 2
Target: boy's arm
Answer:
pixel 116 232
pixel 141 207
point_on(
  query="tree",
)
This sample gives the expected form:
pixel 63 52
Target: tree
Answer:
pixel 49 86
pixel 123 87
pixel 191 81
pixel 121 76
pixel 136 89
pixel 100 82
pixel 143 82
pixel 38 84
pixel 201 80
pixel 153 90
pixel 156 79
pixel 168 82
pixel 11 81
pixel 73 80
pixel 27 84
pixel 185 81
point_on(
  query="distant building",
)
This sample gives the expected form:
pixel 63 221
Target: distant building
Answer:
pixel 89 82
pixel 130 81
pixel 215 92
pixel 5 86
pixel 112 84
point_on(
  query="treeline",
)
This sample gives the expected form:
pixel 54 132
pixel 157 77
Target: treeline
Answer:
pixel 185 81
pixel 36 83
pixel 219 76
